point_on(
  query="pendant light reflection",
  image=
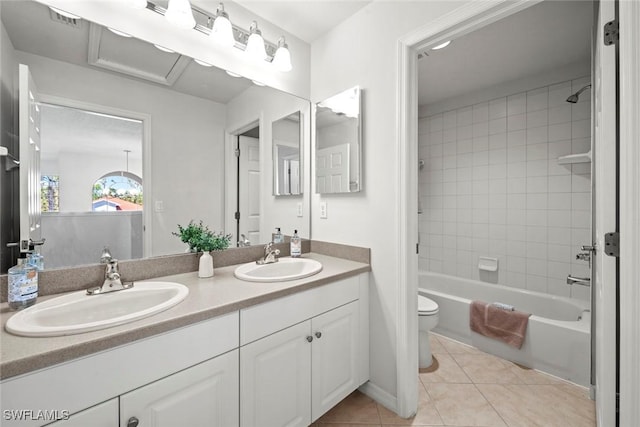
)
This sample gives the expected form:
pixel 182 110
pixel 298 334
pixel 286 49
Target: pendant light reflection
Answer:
pixel 179 13
pixel 222 30
pixel 282 57
pixel 255 45
pixel 441 45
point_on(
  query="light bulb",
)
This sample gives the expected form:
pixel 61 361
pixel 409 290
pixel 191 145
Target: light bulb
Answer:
pixel 255 45
pixel 282 57
pixel 222 30
pixel 232 74
pixel 179 13
pixel 204 64
pixel 118 32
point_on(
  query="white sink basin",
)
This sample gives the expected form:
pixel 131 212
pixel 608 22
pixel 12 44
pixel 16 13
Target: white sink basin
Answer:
pixel 78 312
pixel 283 270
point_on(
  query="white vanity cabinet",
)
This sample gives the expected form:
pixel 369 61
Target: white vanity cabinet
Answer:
pixel 102 415
pixel 303 354
pixel 203 395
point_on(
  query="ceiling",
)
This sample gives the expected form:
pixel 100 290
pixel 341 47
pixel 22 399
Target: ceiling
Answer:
pixel 541 38
pixel 306 19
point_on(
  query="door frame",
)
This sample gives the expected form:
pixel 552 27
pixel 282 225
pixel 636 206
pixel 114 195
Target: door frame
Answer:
pixel 629 18
pixel 147 212
pixel 231 170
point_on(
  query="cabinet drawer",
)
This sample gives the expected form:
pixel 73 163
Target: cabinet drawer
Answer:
pixel 264 319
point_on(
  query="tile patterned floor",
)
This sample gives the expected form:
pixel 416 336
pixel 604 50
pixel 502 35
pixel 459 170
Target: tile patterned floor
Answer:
pixel 466 387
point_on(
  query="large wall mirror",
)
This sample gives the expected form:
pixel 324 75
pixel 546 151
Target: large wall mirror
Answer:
pixel 136 140
pixel 338 163
pixel 287 136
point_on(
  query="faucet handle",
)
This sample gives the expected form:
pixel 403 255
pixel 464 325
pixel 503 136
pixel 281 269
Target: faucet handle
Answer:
pixel 106 257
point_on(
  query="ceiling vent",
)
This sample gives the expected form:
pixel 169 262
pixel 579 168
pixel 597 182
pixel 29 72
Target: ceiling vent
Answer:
pixel 65 20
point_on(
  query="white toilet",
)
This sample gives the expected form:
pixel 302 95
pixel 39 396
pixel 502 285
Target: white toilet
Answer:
pixel 427 320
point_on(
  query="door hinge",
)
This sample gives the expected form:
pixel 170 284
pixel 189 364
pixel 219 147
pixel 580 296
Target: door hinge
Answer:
pixel 236 152
pixel 237 216
pixel 612 244
pixel 417 248
pixel 611 33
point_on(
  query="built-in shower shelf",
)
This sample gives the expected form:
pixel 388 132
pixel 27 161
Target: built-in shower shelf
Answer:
pixel 575 158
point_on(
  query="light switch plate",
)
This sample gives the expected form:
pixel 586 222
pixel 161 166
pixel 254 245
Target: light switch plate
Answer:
pixel 299 210
pixel 159 206
pixel 323 210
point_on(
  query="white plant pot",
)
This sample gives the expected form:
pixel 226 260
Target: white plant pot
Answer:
pixel 206 265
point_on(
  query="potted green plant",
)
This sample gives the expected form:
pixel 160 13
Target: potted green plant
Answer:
pixel 201 239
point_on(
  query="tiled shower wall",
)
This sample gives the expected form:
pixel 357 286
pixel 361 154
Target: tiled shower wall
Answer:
pixel 491 186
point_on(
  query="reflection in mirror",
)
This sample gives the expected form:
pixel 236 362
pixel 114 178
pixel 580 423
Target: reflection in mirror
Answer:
pixel 339 143
pixel 188 114
pixel 286 135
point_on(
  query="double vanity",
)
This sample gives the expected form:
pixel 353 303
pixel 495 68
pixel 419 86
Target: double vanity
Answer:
pixel 279 347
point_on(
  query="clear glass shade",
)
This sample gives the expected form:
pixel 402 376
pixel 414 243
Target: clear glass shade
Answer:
pixel 179 14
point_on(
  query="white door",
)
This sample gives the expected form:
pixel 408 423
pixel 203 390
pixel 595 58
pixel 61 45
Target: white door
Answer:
pixel 102 415
pixel 203 395
pixel 334 372
pixel 332 169
pixel 275 379
pixel 249 188
pixel 29 116
pixel 604 266
pixel 292 176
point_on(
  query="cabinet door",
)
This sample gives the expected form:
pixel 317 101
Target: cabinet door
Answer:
pixel 275 379
pixel 103 415
pixel 203 395
pixel 335 357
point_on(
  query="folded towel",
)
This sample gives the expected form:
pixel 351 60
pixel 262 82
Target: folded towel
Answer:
pixel 495 322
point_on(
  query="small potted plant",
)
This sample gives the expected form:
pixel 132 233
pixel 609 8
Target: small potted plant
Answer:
pixel 201 239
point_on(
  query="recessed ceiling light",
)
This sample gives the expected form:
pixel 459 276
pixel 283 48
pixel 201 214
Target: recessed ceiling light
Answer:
pixel 442 45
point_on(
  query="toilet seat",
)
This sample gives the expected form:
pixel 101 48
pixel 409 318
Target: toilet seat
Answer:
pixel 426 306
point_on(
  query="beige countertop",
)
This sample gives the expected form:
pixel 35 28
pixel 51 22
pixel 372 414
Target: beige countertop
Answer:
pixel 207 298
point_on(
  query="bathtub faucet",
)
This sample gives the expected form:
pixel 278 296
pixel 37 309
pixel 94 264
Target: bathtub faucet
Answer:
pixel 584 281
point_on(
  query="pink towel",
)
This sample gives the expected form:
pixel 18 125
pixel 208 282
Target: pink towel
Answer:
pixel 494 322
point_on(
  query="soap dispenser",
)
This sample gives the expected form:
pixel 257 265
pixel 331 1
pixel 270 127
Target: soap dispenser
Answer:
pixel 23 285
pixel 278 237
pixel 296 245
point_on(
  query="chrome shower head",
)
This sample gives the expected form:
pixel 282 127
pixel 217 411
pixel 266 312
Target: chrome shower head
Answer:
pixel 574 98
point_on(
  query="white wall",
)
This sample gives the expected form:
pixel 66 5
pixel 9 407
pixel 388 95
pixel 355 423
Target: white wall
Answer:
pixel 269 105
pixel 492 187
pixel 362 51
pixel 187 142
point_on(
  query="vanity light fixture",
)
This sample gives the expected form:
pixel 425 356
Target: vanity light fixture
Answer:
pixel 441 45
pixel 282 57
pixel 222 30
pixel 63 13
pixel 179 13
pixel 255 45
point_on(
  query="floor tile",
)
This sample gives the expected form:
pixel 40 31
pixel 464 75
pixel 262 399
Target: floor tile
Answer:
pixel 455 347
pixel 448 371
pixel 485 368
pixel 427 414
pixel 355 408
pixel 539 405
pixel 436 345
pixel 463 404
pixel 531 376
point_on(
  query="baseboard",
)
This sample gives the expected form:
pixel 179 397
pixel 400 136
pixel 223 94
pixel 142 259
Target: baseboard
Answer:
pixel 379 395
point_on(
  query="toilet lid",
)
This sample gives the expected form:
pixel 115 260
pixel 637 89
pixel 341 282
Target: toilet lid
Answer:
pixel 426 306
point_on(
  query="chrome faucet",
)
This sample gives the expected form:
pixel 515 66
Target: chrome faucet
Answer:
pixel 243 242
pixel 269 255
pixel 112 281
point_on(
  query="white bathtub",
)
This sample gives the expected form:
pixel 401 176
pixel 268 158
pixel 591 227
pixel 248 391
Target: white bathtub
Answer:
pixel 557 339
